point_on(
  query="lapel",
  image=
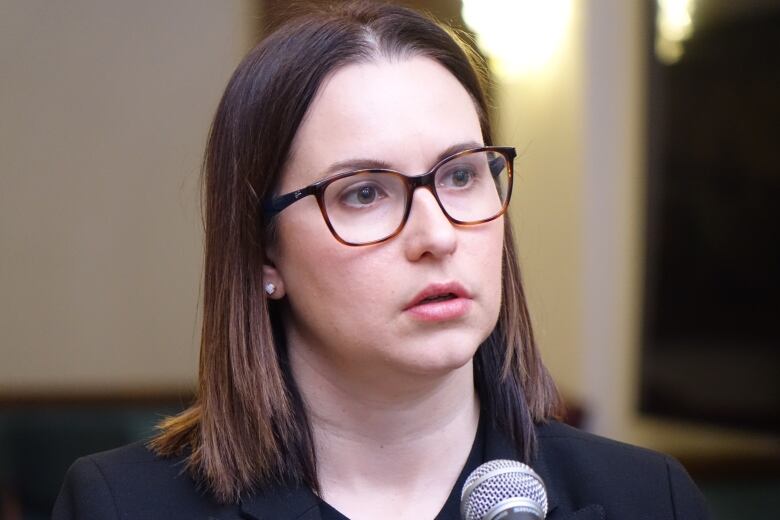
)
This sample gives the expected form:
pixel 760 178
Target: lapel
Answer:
pixel 497 446
pixel 281 503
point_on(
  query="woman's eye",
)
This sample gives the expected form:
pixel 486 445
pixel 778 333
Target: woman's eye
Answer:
pixel 364 195
pixel 459 178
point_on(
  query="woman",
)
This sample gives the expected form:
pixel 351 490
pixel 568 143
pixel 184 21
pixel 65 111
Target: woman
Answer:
pixel 366 342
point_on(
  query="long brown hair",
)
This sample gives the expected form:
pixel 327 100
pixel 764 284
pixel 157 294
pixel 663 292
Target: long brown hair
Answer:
pixel 248 427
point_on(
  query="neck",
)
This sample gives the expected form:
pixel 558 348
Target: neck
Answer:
pixel 386 412
pixel 397 436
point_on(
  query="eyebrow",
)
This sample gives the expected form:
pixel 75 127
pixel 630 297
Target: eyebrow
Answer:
pixel 374 164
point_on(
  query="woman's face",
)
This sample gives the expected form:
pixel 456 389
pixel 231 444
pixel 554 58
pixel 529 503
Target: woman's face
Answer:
pixel 352 309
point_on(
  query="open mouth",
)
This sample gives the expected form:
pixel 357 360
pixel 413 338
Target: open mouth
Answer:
pixel 440 302
pixel 438 298
pixel 437 293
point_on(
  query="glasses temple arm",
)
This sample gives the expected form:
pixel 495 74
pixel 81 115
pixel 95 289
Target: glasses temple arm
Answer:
pixel 273 206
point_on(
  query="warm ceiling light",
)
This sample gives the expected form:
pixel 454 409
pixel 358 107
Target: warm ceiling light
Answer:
pixel 673 25
pixel 519 36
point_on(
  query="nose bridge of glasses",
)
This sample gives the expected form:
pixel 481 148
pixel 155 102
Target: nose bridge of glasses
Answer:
pixel 426 181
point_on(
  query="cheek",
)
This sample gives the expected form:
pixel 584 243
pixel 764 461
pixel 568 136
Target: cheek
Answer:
pixel 325 279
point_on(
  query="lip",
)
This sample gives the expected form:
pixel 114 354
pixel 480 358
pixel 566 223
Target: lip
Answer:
pixel 441 310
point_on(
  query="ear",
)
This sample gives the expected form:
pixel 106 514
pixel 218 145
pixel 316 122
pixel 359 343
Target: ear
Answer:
pixel 273 285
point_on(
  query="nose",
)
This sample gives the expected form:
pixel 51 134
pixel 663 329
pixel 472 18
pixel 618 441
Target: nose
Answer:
pixel 428 231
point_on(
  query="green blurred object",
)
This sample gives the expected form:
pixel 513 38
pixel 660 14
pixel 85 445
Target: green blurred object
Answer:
pixel 39 443
pixel 738 499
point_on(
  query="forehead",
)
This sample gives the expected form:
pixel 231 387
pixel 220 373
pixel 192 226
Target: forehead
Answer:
pixel 403 112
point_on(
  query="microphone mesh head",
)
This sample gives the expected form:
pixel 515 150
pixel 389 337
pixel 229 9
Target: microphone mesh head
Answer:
pixel 496 481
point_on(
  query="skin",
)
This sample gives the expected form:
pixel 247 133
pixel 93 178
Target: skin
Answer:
pixel 391 397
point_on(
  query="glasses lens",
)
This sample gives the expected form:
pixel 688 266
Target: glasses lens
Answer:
pixel 365 207
pixel 474 187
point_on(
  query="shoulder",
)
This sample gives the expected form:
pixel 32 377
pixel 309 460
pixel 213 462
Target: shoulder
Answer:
pixel 558 437
pixel 583 466
pixel 131 482
pixel 568 450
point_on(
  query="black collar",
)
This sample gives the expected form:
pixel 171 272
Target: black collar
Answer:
pixel 282 503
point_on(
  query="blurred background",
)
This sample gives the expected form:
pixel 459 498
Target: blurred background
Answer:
pixel 646 213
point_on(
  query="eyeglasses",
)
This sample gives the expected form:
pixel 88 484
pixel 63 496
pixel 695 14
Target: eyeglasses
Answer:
pixel 370 206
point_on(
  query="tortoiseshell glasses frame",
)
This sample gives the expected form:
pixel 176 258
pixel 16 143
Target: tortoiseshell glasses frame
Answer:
pixel 499 161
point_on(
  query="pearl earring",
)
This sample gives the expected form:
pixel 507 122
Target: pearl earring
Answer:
pixel 270 289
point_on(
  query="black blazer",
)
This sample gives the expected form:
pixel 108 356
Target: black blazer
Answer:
pixel 587 478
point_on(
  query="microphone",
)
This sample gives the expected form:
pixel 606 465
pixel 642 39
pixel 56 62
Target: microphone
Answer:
pixel 503 490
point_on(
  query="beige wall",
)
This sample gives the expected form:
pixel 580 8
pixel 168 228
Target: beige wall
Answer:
pixel 104 109
pixel 541 114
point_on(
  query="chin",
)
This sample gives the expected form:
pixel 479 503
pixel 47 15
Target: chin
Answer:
pixel 442 360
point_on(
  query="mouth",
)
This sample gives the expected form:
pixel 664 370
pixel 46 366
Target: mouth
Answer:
pixel 438 298
pixel 438 293
pixel 440 302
